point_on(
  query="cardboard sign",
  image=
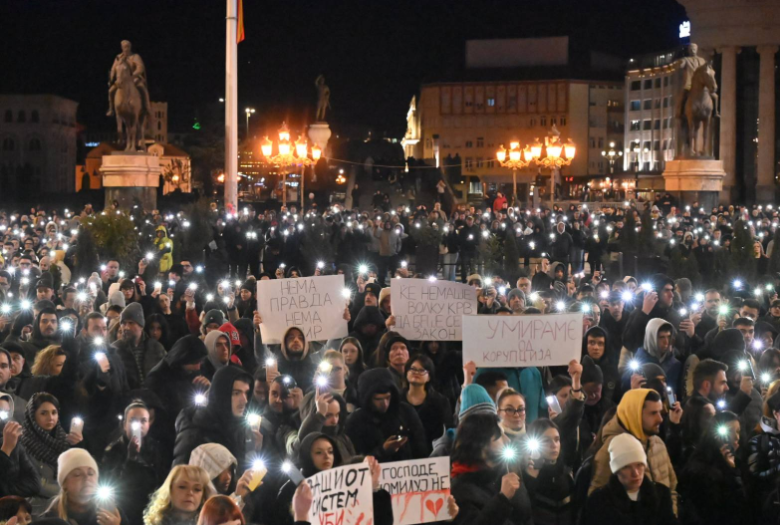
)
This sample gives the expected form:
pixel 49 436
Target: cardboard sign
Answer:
pixel 342 496
pixel 431 310
pixel 313 304
pixel 419 489
pixel 522 340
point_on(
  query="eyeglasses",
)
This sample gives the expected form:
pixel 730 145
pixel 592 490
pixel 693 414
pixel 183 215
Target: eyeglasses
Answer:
pixel 420 371
pixel 513 411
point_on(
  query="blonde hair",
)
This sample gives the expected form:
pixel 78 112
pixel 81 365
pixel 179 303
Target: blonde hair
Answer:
pixel 44 360
pixel 160 501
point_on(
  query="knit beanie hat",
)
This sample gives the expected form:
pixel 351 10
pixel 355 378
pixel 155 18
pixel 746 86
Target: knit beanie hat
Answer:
pixel 134 312
pixel 213 458
pixel 72 459
pixel 591 372
pixel 116 298
pixel 250 284
pixel 652 370
pixel 95 279
pixel 474 277
pixel 383 294
pixel 474 399
pixel 516 292
pixel 625 449
pixel 214 317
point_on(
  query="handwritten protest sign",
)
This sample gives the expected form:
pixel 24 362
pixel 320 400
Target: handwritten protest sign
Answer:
pixel 431 311
pixel 419 489
pixel 522 340
pixel 313 304
pixel 342 496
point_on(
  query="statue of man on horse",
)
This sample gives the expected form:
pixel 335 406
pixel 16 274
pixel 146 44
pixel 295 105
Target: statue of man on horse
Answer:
pixel 128 96
pixel 696 104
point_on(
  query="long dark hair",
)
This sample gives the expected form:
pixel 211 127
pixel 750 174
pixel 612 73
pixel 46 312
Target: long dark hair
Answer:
pixel 474 436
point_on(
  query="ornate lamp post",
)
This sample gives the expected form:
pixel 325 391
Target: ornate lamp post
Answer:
pixel 290 154
pixel 557 156
pixel 611 157
pixel 517 159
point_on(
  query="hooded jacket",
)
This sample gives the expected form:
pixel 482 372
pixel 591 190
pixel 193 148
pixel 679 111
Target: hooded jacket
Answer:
pixel 607 364
pixel 302 370
pixel 369 429
pixel 368 315
pixel 383 509
pixel 649 353
pixel 151 353
pixel 629 419
pixel 210 364
pixel 214 423
pixel 165 247
pixel 37 341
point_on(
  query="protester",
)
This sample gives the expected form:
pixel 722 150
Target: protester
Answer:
pixel 180 498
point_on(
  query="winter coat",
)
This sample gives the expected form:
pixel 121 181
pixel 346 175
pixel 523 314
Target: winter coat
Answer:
pixel 551 494
pixel 19 475
pixel 87 518
pixel 214 423
pixel 660 466
pixel 711 491
pixel 435 413
pixel 368 315
pixel 314 423
pixel 527 381
pixel 369 430
pixel 139 477
pixel 165 247
pixel 611 504
pixel 151 352
pixel 302 370
pixel 763 459
pixel 481 503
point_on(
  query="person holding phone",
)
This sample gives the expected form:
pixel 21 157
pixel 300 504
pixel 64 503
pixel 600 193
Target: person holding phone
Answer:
pixel 135 461
pixel 711 482
pixel 180 498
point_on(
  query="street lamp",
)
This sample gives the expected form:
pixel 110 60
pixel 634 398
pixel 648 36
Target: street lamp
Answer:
pixel 553 158
pixel 611 156
pixel 290 154
pixel 249 112
pixel 515 159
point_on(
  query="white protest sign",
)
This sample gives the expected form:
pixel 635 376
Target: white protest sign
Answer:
pixel 342 496
pixel 419 489
pixel 313 304
pixel 522 340
pixel 431 310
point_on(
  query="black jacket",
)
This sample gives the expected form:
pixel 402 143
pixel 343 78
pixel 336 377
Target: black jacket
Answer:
pixel 611 504
pixel 481 503
pixel 369 430
pixel 215 422
pixel 435 414
pixel 711 491
pixel 19 475
pixel 368 315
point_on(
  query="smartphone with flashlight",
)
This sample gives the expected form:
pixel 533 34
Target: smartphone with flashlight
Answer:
pixel 554 404
pixel 670 396
pixel 258 473
pixel 136 431
pixel 76 425
pixel 293 473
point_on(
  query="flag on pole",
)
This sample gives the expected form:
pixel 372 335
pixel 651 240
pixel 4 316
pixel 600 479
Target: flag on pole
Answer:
pixel 240 32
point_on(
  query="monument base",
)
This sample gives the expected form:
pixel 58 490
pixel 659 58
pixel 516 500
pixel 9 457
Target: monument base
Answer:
pixel 695 180
pixel 128 177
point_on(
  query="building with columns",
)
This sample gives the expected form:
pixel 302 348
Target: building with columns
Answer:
pixel 742 38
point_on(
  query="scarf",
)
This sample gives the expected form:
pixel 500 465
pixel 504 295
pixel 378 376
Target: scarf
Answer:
pixel 458 469
pixel 42 445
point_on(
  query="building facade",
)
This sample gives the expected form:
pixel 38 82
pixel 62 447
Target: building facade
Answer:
pixel 742 38
pixel 465 122
pixel 37 143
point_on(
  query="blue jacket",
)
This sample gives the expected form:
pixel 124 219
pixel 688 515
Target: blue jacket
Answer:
pixel 527 381
pixel 671 367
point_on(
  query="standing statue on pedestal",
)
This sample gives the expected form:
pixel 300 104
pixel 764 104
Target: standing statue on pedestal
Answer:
pixel 128 97
pixel 323 98
pixel 697 103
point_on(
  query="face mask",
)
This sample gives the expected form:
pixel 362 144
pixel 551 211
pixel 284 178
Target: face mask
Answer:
pixel 330 431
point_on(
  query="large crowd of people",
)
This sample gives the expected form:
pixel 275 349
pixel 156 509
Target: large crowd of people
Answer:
pixel 143 393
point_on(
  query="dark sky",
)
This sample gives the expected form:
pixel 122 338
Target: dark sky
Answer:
pixel 374 53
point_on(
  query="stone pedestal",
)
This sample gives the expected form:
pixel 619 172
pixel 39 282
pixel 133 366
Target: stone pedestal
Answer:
pixel 320 133
pixel 128 176
pixel 695 180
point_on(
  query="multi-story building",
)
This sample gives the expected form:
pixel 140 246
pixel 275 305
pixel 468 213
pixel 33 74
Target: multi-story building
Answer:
pixel 649 139
pixel 517 90
pixel 37 143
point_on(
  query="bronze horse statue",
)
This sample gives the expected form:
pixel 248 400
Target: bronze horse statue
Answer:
pixel 130 113
pixel 699 108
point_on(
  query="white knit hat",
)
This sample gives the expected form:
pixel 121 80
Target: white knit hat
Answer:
pixel 72 459
pixel 213 458
pixel 625 449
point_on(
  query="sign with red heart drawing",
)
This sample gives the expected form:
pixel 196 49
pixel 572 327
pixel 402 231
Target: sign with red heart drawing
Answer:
pixel 419 489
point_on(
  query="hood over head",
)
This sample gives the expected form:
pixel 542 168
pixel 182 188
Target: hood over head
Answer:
pixel 186 351
pixel 304 453
pixel 221 392
pixel 369 315
pixel 210 341
pixel 283 345
pixel 599 332
pixel 376 381
pixel 629 412
pixel 651 338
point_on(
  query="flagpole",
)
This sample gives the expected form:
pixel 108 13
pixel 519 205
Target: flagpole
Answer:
pixel 231 106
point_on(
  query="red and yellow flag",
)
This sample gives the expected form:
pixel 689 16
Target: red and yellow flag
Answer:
pixel 240 31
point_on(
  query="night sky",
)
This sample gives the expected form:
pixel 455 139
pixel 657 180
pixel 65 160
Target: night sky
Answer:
pixel 374 53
